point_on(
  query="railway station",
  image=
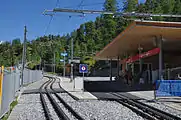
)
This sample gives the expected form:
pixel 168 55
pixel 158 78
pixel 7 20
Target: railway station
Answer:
pixel 148 49
pixel 125 65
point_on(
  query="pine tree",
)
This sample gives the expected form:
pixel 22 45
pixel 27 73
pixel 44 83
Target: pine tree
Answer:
pixel 109 24
pixel 130 5
pixel 177 9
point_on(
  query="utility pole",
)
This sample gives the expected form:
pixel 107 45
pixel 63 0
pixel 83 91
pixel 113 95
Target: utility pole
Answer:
pixel 64 66
pixel 24 55
pixel 12 55
pixel 40 64
pixel 54 62
pixel 72 55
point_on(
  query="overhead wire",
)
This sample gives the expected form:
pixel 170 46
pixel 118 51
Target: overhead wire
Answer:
pixel 57 3
pixel 70 16
pixel 81 2
pixel 83 5
pixel 51 18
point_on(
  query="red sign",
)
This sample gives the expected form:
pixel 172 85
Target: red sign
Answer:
pixel 143 55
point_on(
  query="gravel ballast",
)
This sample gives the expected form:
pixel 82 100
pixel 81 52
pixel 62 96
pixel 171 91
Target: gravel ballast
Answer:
pixel 28 108
pixel 31 98
pixel 163 107
pixel 51 109
pixel 104 110
pixel 66 97
pixel 100 110
pixel 69 114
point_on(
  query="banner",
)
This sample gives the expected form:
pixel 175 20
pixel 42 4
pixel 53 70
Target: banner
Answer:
pixel 166 88
pixel 143 55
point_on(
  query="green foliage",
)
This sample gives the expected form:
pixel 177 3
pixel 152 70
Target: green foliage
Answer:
pixel 89 38
pixel 130 5
pixel 90 61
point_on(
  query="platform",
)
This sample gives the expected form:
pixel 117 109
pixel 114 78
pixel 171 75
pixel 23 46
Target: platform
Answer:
pixel 67 85
pixel 148 95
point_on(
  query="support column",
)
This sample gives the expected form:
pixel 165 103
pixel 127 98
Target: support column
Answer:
pixel 110 69
pixel 118 66
pixel 148 68
pixel 140 60
pixel 160 58
pixel 126 64
pixel 132 70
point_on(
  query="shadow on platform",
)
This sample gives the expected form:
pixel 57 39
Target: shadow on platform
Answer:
pixel 114 86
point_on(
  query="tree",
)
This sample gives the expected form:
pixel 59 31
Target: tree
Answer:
pixel 110 5
pixel 177 10
pixel 130 5
pixel 16 41
pixel 89 37
pixel 109 24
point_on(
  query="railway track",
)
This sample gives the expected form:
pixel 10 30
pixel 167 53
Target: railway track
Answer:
pixel 75 98
pixel 144 110
pixel 43 102
pixel 59 111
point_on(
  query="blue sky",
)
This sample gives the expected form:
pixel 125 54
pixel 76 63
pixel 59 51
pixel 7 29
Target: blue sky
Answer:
pixel 17 13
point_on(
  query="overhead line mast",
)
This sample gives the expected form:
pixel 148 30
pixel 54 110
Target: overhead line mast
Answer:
pixel 126 14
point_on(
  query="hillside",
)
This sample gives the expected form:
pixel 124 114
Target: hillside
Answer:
pixel 89 38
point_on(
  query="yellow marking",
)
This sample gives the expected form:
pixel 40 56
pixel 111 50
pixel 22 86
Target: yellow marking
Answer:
pixel 1 83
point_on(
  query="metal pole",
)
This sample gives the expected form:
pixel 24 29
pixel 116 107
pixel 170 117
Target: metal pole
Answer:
pixel 40 64
pixel 54 62
pixel 52 65
pixel 72 52
pixel 64 67
pixel 111 70
pixel 83 83
pixel 118 66
pixel 23 55
pixel 160 59
pixel 140 60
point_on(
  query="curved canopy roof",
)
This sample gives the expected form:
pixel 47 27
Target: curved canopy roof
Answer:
pixel 143 33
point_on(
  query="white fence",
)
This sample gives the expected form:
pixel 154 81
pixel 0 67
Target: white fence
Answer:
pixel 11 84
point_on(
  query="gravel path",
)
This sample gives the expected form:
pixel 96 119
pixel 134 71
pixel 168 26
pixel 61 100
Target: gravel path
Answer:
pixel 163 107
pixel 31 98
pixel 32 111
pixel 28 108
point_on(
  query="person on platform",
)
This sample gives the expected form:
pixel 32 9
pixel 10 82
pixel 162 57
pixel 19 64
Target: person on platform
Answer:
pixel 141 81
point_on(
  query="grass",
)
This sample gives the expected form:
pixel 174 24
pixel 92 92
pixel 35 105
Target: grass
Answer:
pixel 12 105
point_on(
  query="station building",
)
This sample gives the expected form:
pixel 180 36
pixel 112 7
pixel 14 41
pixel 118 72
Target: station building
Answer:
pixel 152 48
